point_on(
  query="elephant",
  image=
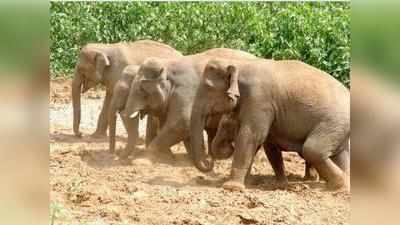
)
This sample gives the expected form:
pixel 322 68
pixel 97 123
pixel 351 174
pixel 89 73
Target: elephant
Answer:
pixel 103 64
pixel 166 89
pixel 222 147
pixel 286 103
pixel 118 102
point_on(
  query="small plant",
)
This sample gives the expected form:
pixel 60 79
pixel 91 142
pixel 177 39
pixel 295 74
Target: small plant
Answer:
pixel 57 211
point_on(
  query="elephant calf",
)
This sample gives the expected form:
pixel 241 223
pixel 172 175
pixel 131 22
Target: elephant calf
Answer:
pixel 286 103
pixel 118 103
pixel 223 147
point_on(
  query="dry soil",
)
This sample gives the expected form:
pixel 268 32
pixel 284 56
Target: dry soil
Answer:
pixel 91 186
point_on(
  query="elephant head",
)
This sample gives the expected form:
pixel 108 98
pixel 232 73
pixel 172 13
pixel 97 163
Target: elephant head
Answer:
pixel 88 72
pixel 218 94
pixel 222 147
pixel 118 102
pixel 150 89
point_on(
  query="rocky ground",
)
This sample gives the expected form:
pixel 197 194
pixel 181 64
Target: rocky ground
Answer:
pixel 90 186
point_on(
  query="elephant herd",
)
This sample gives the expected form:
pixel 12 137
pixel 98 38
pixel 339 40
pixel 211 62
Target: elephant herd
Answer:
pixel 241 101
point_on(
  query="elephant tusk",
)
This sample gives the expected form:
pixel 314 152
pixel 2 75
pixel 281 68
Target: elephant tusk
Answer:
pixel 133 115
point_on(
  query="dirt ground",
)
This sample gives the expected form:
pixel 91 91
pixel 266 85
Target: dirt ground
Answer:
pixel 91 186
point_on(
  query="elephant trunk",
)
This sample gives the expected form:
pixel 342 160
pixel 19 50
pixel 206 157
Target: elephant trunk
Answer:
pixel 221 146
pixel 76 103
pixel 221 149
pixel 112 118
pixel 202 161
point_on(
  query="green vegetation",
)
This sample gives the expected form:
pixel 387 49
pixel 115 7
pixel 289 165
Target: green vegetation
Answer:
pixel 316 33
pixel 57 211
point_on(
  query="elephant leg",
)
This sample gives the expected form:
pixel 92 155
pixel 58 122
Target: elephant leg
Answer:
pixel 161 144
pixel 248 174
pixel 131 125
pixel 186 143
pixel 243 155
pixel 167 137
pixel 274 155
pixel 310 174
pixel 250 136
pixel 317 150
pixel 155 127
pixel 210 137
pixel 188 148
pixel 152 127
pixel 342 159
pixel 102 122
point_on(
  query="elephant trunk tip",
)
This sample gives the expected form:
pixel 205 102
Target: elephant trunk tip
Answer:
pixel 205 165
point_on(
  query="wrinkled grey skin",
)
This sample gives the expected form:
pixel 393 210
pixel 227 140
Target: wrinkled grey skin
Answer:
pixel 284 103
pixel 103 64
pixel 222 147
pixel 118 102
pixel 166 89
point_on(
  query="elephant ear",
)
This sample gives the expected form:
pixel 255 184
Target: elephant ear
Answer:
pixel 214 77
pixel 102 61
pixel 233 77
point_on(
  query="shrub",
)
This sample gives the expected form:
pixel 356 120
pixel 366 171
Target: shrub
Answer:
pixel 316 33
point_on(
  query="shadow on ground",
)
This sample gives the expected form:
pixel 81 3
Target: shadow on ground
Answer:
pixel 102 159
pixel 261 182
pixel 70 138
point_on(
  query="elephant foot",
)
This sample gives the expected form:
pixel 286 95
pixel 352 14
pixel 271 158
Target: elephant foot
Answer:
pixel 123 154
pixel 311 177
pixel 339 184
pixel 233 186
pixel 282 184
pixel 98 135
pixel 78 135
pixel 143 162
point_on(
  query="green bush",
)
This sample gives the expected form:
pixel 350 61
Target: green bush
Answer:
pixel 316 33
